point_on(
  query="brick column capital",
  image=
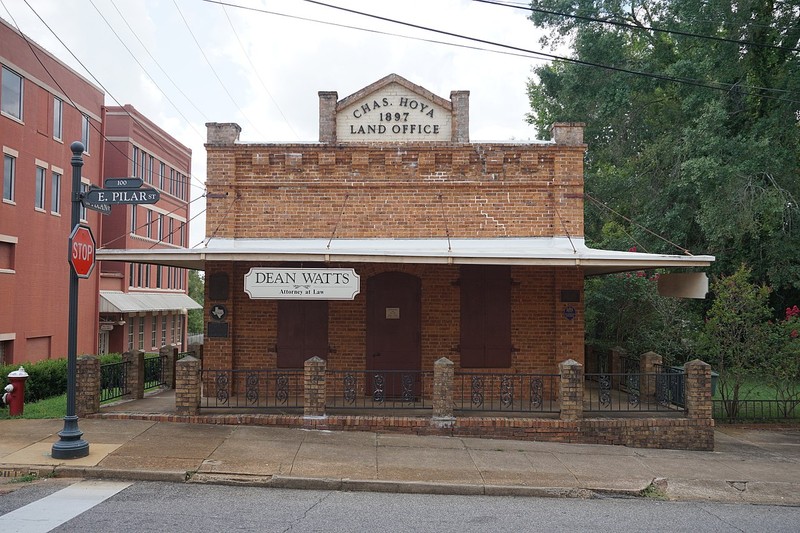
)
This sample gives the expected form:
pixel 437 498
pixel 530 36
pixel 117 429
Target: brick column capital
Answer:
pixel 314 387
pixel 698 390
pixel 571 389
pixel 443 376
pixel 187 386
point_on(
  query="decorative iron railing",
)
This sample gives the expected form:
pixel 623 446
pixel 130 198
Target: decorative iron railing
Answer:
pixel 154 371
pixel 756 410
pixel 487 391
pixel 113 381
pixel 379 389
pixel 633 391
pixel 273 388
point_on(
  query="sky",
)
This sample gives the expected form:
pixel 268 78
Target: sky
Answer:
pixel 261 63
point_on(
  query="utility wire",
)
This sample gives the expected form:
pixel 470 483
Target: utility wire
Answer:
pixel 638 26
pixel 255 70
pixel 213 70
pixel 719 86
pixel 66 94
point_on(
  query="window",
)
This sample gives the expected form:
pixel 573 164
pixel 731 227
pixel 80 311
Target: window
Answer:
pixel 84 188
pixel 131 328
pixel 11 98
pixel 149 224
pixel 158 277
pixel 40 180
pixel 133 219
pixel 485 316
pixel 9 172
pixel 154 323
pixel 55 199
pixel 7 253
pixel 58 115
pixel 171 230
pixel 141 333
pixel 85 133
pixel 135 162
pixel 163 330
pixel 150 169
pixel 174 338
pixel 131 273
pixel 161 227
pixel 162 171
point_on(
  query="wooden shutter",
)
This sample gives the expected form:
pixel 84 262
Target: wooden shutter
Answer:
pixel 485 316
pixel 302 331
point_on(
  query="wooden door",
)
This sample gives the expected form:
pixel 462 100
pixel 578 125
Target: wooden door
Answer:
pixel 394 327
pixel 302 331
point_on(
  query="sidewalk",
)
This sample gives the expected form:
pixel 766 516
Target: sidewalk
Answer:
pixel 755 466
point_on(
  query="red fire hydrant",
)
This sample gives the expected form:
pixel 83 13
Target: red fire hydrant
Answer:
pixel 15 397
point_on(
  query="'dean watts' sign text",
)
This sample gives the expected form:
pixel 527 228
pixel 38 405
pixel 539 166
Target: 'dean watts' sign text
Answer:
pixel 302 283
pixel 393 113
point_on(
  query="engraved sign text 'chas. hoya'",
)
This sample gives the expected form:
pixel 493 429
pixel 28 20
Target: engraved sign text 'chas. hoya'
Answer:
pixel 302 283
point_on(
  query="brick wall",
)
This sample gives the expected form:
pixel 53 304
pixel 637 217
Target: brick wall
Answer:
pixel 541 334
pixel 408 190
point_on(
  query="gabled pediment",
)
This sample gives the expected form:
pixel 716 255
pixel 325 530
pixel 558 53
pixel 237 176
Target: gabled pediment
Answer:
pixel 372 88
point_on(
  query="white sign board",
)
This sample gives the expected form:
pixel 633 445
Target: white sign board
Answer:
pixel 302 283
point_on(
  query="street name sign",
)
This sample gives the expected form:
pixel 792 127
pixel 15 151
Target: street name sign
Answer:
pixel 81 250
pixel 122 183
pixel 145 195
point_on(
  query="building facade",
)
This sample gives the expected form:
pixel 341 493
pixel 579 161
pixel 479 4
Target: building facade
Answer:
pixel 45 106
pixel 143 306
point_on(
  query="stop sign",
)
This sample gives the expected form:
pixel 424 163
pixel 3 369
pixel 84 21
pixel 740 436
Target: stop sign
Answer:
pixel 81 250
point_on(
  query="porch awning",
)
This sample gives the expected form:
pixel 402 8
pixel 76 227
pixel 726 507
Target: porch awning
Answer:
pixel 541 251
pixel 135 302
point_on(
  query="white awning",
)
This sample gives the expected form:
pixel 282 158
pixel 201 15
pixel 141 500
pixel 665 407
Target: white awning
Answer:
pixel 537 251
pixel 136 302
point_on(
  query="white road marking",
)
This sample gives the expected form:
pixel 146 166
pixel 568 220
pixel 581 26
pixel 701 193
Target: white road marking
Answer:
pixel 51 511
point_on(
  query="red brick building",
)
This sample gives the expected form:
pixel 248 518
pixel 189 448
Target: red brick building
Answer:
pixel 45 107
pixel 143 306
pixel 395 241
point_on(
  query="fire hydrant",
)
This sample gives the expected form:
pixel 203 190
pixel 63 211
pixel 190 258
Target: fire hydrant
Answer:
pixel 14 396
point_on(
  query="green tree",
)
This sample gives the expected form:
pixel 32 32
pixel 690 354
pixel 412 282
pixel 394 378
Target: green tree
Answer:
pixel 196 293
pixel 710 164
pixel 736 335
pixel 782 369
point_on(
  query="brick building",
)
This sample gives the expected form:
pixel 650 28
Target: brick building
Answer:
pixel 143 306
pixel 395 241
pixel 45 107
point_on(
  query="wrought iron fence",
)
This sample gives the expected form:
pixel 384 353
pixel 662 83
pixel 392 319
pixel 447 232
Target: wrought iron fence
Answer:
pixel 379 389
pixel 272 388
pixel 506 392
pixel 154 371
pixel 633 391
pixel 113 381
pixel 756 410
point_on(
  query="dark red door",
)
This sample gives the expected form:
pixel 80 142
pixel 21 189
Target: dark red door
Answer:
pixel 393 327
pixel 302 331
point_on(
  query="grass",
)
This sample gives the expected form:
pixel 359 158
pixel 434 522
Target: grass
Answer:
pixel 55 407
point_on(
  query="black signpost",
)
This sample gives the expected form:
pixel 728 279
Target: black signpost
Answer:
pixel 117 191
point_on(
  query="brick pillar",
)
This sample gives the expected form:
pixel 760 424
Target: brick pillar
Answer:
pixel 168 355
pixel 647 381
pixel 135 374
pixel 87 385
pixel 698 390
pixel 327 116
pixel 460 123
pixel 187 386
pixel 443 391
pixel 314 389
pixel 571 389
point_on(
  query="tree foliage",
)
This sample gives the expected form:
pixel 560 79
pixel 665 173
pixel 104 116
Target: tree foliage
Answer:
pixel 711 164
pixel 196 293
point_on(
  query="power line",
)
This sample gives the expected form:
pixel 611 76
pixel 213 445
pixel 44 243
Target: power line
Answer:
pixel 719 86
pixel 125 155
pixel 255 71
pixel 244 115
pixel 637 26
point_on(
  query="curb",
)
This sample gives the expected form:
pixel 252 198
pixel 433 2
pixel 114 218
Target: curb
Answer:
pixel 170 476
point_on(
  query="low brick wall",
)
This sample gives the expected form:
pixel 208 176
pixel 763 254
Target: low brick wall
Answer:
pixel 670 433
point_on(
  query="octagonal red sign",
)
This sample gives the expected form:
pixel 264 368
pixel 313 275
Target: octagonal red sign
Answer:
pixel 81 251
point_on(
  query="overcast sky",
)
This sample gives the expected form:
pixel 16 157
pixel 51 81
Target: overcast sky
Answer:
pixel 263 70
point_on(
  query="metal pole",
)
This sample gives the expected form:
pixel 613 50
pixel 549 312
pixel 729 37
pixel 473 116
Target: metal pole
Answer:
pixel 71 445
